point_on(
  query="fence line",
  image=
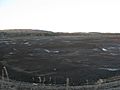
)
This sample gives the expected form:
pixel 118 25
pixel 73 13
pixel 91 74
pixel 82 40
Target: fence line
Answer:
pixel 29 86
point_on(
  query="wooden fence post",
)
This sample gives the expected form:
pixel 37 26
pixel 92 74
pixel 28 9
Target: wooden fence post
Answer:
pixel 39 79
pixel 44 81
pixel 67 84
pixel 2 84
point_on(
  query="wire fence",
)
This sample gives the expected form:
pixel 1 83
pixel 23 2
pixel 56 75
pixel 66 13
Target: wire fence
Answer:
pixel 15 85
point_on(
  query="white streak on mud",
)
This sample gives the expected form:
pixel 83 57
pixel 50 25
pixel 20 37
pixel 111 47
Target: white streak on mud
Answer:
pixel 46 50
pixel 110 69
pixel 26 43
pixel 103 49
pixel 11 53
pixel 51 51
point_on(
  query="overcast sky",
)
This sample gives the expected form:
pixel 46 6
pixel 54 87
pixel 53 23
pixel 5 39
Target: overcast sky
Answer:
pixel 61 15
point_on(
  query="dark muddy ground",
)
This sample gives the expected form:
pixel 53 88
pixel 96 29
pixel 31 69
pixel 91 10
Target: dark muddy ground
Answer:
pixel 82 59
